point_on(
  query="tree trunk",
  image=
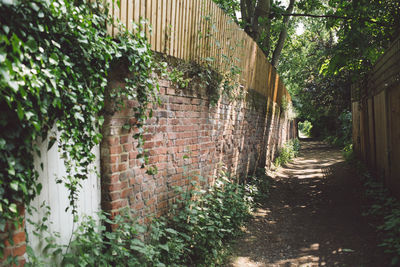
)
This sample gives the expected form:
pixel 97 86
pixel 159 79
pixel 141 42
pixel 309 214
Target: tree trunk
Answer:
pixel 247 10
pixel 282 35
pixel 266 43
pixel 261 19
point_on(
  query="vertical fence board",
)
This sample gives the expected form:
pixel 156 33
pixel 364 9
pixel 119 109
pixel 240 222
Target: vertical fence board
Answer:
pixel 376 117
pixel 394 122
pixel 180 27
pixel 148 18
pixel 198 29
pixel 55 196
pixel 124 10
pixel 136 11
pixel 153 21
pixel 129 14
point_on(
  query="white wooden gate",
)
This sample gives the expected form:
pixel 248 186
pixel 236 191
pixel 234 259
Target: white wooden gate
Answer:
pixel 55 196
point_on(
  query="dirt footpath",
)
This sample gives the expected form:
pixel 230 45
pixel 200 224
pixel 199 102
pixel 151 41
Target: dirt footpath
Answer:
pixel 312 217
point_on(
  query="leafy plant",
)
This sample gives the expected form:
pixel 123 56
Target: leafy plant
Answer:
pixel 195 232
pixel 387 209
pixel 258 186
pixel 287 152
pixel 55 60
pixel 208 218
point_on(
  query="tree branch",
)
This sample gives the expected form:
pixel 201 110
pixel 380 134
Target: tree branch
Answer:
pixel 328 16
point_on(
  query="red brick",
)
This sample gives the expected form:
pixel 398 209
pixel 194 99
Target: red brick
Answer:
pixel 114 140
pixel 124 157
pixel 115 195
pixel 19 237
pixel 114 178
pixel 114 158
pixel 19 251
pixel 122 167
pixel 148 145
pixel 183 125
pixel 170 91
pixel 114 187
pixel 118 204
pixel 127 147
pixel 133 154
pixel 124 139
pixel 115 150
pixel 126 192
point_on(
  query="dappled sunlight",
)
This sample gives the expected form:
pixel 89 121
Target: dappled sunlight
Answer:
pixel 310 215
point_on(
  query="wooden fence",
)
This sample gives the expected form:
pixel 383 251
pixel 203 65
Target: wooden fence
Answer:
pixel 55 196
pixel 198 30
pixel 376 117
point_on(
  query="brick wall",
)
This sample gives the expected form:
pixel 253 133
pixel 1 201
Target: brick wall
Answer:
pixel 14 239
pixel 186 136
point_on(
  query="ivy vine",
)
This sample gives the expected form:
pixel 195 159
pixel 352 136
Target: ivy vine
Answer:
pixel 55 57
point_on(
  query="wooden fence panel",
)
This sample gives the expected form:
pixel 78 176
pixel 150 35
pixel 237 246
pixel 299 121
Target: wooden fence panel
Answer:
pixel 199 29
pixel 355 107
pixel 380 133
pixel 55 196
pixel 394 138
pixel 376 121
pixel 371 135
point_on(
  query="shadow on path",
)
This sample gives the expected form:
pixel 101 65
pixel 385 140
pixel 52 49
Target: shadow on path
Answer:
pixel 312 217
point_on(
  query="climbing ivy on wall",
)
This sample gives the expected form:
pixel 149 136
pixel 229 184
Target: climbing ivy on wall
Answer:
pixel 55 57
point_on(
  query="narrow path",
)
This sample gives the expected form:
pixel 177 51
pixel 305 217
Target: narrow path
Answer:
pixel 312 217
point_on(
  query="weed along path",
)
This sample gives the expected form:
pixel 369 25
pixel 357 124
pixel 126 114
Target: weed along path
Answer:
pixel 312 217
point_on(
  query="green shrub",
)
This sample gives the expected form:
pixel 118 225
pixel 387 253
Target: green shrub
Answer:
pixel 343 135
pixel 387 208
pixel 195 232
pixel 258 186
pixel 207 219
pixel 348 153
pixel 287 152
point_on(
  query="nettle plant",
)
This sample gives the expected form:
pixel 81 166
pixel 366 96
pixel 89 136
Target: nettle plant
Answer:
pixel 55 59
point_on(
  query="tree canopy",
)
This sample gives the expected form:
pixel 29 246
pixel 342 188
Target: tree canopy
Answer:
pixel 342 39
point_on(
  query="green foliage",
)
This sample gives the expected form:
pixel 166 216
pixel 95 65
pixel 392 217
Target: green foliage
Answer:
pixel 305 128
pixel 343 134
pixel 228 84
pixel 385 207
pixel 55 59
pixel 217 76
pixel 208 219
pixel 196 232
pixel 258 186
pixel 177 77
pixel 230 7
pixel 320 65
pixel 348 153
pixel 369 29
pixel 287 152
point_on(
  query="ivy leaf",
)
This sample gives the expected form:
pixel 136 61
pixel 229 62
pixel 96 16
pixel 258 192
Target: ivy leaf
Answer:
pixel 13 208
pixel 20 111
pixel 11 171
pixel 2 57
pixel 52 141
pixel 164 247
pixel 32 44
pixel 79 116
pixel 14 185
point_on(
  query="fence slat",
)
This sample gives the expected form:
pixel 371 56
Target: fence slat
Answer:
pixel 198 29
